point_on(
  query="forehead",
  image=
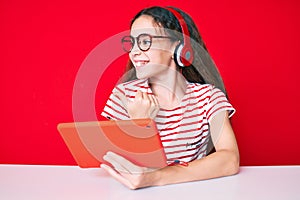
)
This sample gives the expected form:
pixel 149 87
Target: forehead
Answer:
pixel 145 24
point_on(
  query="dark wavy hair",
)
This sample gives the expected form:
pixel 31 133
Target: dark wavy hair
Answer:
pixel 203 69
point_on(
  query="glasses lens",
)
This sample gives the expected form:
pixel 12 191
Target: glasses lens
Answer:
pixel 127 43
pixel 144 42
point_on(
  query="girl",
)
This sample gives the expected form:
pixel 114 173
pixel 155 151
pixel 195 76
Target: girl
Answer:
pixel 172 79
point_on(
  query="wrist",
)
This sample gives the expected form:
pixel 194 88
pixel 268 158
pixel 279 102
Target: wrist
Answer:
pixel 154 177
pixel 169 175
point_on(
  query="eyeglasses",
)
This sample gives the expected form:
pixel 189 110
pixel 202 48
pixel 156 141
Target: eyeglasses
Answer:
pixel 144 41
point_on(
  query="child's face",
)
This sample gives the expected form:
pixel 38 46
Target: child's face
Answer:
pixel 158 59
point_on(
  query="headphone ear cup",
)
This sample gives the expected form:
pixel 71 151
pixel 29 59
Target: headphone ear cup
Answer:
pixel 177 55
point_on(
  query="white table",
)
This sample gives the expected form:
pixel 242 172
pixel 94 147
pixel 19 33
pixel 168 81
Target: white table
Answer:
pixel 71 182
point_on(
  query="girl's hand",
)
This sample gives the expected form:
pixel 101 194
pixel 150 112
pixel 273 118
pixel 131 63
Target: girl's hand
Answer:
pixel 143 106
pixel 127 173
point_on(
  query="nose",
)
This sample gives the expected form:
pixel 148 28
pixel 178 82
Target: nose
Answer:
pixel 135 53
pixel 135 49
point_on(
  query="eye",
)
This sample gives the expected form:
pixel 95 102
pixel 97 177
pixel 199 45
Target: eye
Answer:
pixel 146 42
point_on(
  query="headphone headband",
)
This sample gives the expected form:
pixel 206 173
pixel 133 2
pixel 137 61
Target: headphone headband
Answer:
pixel 184 53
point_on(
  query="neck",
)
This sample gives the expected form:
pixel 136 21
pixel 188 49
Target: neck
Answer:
pixel 169 88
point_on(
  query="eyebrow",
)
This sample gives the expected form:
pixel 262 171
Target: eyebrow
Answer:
pixel 151 31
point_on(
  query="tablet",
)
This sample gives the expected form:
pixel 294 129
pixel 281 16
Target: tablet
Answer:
pixel 137 140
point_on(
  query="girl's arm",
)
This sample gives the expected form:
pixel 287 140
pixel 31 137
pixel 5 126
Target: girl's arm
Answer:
pixel 223 162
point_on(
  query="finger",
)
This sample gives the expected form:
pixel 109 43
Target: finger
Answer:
pixel 108 168
pixel 155 100
pixel 153 113
pixel 151 99
pixel 117 165
pixel 117 176
pixel 145 96
pixel 155 106
pixel 138 95
pixel 122 98
pixel 131 169
pixel 152 103
pixel 126 164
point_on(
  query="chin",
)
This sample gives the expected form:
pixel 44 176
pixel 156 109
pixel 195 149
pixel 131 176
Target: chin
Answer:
pixel 142 74
pixel 139 76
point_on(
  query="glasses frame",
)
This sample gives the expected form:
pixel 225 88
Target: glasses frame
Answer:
pixel 136 39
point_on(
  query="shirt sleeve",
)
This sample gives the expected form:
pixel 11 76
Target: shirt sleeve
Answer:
pixel 114 108
pixel 218 102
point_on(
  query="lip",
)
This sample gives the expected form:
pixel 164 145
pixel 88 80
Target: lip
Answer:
pixel 140 63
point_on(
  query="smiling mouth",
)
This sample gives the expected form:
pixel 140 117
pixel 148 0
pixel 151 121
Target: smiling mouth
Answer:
pixel 139 64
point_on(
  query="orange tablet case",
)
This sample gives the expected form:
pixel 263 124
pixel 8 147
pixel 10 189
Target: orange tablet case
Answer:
pixel 137 140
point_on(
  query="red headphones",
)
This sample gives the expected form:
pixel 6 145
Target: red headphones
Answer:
pixel 183 54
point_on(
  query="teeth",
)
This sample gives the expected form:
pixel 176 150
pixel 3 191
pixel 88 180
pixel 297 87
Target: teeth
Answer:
pixel 139 64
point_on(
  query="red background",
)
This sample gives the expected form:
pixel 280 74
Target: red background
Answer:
pixel 255 45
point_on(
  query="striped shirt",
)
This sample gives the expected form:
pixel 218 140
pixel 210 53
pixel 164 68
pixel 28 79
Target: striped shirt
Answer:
pixel 184 130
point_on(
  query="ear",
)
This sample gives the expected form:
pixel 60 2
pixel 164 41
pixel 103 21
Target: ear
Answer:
pixel 174 47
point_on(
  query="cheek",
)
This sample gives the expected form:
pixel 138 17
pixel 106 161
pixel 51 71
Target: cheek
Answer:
pixel 161 57
pixel 131 57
